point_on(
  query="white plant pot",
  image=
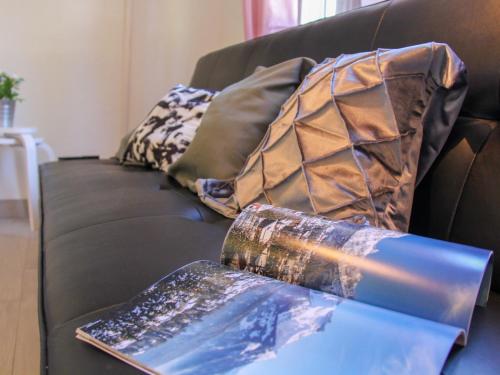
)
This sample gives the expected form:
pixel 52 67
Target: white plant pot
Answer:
pixel 7 109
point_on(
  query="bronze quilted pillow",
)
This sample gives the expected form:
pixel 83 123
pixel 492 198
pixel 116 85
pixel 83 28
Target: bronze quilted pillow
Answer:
pixel 348 141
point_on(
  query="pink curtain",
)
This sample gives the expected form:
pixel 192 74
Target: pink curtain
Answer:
pixel 267 16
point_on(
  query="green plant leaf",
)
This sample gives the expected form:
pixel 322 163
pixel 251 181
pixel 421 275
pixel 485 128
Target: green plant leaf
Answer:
pixel 9 86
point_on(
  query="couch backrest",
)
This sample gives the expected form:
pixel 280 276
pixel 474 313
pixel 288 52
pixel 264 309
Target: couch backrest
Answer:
pixel 459 200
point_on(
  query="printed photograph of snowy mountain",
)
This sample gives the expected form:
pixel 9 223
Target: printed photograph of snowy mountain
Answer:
pixel 423 277
pixel 208 319
pixel 302 249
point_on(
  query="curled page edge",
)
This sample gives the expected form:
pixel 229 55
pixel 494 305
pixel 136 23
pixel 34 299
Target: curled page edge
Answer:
pixel 484 289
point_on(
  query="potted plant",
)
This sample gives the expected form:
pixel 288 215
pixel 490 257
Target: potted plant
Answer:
pixel 9 95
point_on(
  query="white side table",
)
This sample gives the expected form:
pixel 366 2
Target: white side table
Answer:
pixel 25 138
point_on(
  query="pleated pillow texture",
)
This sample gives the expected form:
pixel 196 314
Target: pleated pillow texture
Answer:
pixel 348 142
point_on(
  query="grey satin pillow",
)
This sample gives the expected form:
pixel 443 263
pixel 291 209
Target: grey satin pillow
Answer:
pixel 348 142
pixel 236 121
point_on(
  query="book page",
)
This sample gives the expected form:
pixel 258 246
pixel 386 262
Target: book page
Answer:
pixel 206 318
pixel 427 278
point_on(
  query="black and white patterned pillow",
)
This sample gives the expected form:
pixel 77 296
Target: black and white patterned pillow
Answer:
pixel 169 128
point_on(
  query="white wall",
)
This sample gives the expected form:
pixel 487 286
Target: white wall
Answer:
pixel 71 54
pixel 94 68
pixel 168 37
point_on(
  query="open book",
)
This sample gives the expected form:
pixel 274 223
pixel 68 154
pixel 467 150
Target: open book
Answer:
pixel 300 294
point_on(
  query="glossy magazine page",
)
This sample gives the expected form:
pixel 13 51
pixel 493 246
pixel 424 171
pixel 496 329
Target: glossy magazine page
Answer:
pixel 422 277
pixel 206 318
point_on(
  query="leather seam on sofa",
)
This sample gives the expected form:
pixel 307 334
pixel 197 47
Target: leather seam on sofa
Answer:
pixel 90 313
pixel 379 24
pixel 202 217
pixel 120 220
pixel 42 326
pixel 451 223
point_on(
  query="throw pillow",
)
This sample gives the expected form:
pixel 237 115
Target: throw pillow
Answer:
pixel 347 143
pixel 122 148
pixel 237 120
pixel 169 128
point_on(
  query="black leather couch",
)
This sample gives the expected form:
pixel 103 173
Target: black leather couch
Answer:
pixel 110 231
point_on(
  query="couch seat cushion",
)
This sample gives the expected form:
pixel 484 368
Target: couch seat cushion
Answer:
pixel 109 232
pixel 108 263
pixel 78 194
